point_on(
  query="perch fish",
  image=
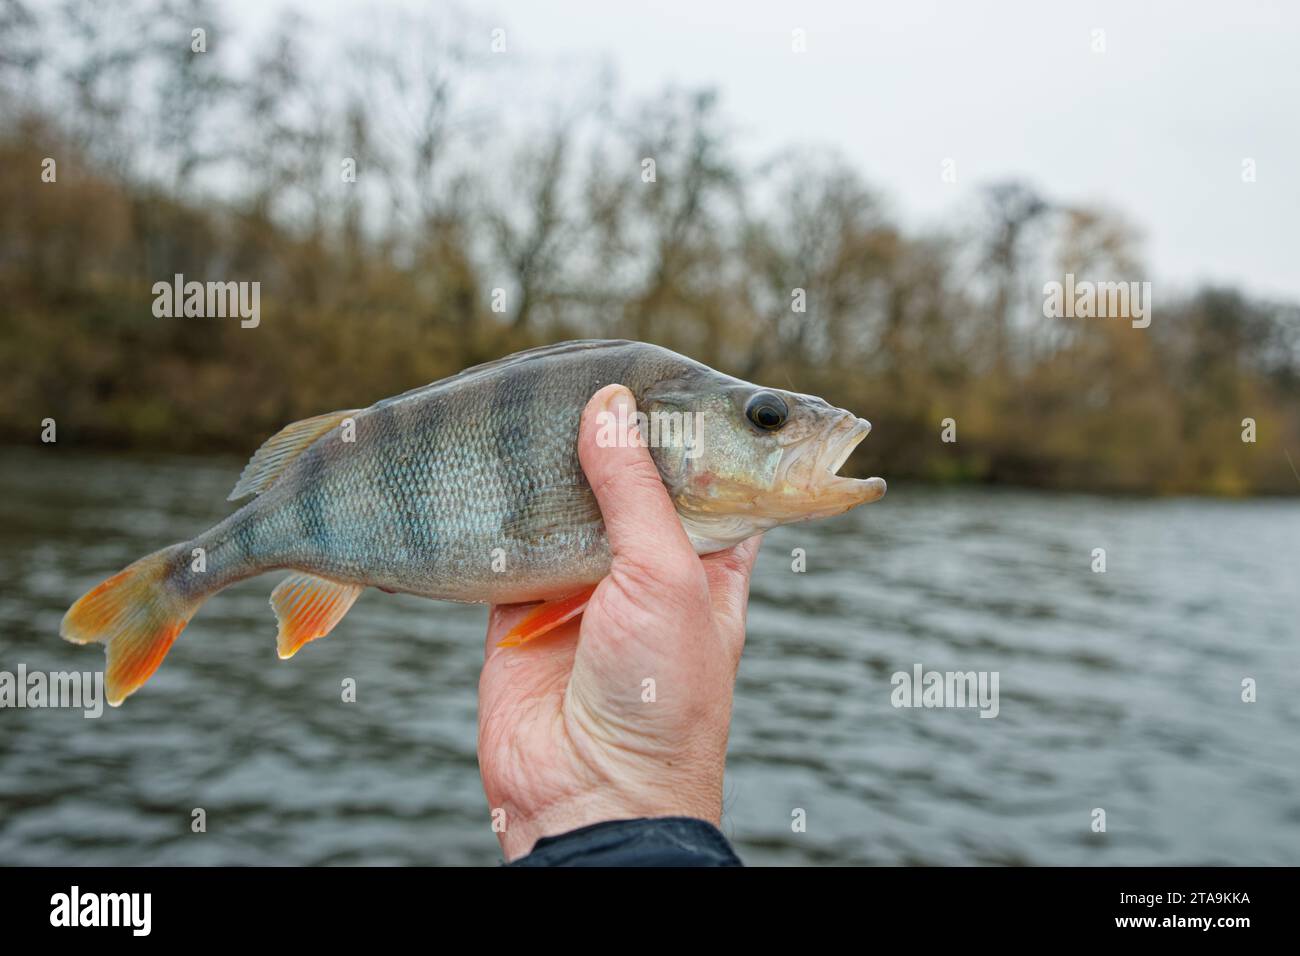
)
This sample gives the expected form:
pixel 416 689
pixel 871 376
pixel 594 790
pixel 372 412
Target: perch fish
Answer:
pixel 470 489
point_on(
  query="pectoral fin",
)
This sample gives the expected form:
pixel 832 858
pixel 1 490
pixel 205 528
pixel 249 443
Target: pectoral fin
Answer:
pixel 546 617
pixel 308 607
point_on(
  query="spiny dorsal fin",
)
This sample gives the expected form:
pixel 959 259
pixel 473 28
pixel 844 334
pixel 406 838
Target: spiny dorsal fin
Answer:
pixel 508 361
pixel 269 462
pixel 308 607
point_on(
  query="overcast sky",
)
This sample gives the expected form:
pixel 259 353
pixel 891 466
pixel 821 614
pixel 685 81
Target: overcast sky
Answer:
pixel 1157 126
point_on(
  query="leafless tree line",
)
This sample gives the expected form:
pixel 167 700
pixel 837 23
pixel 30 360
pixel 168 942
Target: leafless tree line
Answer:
pixel 408 212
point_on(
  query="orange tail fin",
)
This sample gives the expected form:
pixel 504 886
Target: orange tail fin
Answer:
pixel 138 615
pixel 546 617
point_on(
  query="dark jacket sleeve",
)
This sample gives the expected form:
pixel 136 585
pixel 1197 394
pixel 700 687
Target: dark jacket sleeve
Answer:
pixel 649 841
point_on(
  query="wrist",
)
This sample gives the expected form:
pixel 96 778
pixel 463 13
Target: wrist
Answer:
pixel 644 841
pixel 523 829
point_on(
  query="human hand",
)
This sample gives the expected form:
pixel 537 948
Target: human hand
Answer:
pixel 569 731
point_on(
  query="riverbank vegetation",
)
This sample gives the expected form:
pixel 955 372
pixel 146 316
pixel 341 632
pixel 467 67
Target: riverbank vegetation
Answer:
pixel 403 222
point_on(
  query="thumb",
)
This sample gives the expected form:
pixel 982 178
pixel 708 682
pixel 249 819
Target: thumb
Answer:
pixel 640 520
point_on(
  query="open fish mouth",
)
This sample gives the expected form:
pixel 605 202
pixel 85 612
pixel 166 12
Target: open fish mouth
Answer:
pixel 845 436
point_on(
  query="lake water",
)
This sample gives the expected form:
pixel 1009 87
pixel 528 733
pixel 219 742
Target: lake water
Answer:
pixel 1119 690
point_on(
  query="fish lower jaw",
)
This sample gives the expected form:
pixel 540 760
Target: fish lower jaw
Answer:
pixel 868 489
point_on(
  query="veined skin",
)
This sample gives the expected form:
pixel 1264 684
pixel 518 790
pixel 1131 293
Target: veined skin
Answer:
pixel 470 489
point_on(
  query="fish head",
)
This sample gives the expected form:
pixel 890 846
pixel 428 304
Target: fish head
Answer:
pixel 747 458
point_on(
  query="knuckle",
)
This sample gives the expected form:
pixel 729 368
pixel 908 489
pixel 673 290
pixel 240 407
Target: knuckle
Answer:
pixel 635 478
pixel 685 577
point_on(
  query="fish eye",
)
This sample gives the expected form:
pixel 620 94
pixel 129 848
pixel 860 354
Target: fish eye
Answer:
pixel 767 411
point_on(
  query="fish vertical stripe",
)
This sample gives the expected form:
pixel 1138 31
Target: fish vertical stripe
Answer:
pixel 310 506
pixel 513 399
pixel 399 476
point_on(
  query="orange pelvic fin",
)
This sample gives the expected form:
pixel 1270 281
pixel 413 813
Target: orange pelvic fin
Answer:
pixel 546 617
pixel 308 607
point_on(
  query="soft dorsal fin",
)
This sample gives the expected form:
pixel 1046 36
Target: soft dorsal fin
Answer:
pixel 269 462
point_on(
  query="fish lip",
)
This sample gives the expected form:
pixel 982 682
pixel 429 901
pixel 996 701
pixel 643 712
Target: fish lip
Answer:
pixel 837 455
pixel 861 490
